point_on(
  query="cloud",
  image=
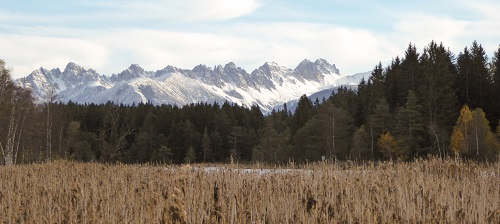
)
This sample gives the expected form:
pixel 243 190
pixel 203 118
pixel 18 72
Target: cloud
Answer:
pixel 25 53
pixel 188 41
pixel 479 21
pixel 352 50
pixel 186 10
pixel 421 29
pixel 484 28
pixel 113 50
pixel 220 9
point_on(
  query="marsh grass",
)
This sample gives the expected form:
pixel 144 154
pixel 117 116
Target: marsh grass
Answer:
pixel 424 191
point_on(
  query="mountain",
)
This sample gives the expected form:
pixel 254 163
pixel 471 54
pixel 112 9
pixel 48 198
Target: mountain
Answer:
pixel 267 86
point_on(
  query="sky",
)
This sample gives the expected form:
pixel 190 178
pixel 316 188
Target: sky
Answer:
pixel 110 35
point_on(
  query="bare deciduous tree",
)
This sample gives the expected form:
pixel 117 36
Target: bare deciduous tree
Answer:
pixel 112 136
pixel 15 103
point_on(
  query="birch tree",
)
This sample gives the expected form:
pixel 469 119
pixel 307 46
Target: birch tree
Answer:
pixel 15 103
pixel 472 137
pixel 50 96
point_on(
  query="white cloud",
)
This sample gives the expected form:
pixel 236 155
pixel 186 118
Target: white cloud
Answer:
pixel 186 10
pixel 455 31
pixel 220 9
pixel 421 29
pixel 25 53
pixel 112 51
pixel 485 28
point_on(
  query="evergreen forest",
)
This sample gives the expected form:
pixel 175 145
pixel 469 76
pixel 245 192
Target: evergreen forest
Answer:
pixel 425 103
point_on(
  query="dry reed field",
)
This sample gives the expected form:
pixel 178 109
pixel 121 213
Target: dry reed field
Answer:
pixel 433 191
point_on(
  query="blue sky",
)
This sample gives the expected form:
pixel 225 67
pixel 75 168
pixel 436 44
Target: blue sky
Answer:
pixel 355 35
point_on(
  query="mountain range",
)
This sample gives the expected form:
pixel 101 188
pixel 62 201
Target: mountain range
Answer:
pixel 268 86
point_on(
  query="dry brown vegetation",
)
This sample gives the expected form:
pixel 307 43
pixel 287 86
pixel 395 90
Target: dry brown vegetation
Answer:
pixel 433 191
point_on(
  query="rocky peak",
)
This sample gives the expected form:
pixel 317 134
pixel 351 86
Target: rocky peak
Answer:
pixel 201 69
pixel 207 75
pixel 230 65
pixel 314 71
pixel 74 74
pixel 307 70
pixel 219 69
pixel 232 70
pixel 326 67
pixel 72 68
pixel 305 64
pixel 56 72
pixel 166 70
pixel 273 69
pixel 135 69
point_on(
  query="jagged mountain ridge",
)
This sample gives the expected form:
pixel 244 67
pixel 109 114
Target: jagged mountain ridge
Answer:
pixel 267 86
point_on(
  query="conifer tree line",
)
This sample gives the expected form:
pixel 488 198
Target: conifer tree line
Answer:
pixel 426 103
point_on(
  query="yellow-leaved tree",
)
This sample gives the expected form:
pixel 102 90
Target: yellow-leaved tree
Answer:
pixel 459 136
pixel 486 147
pixel 472 137
pixel 387 145
pixel 498 130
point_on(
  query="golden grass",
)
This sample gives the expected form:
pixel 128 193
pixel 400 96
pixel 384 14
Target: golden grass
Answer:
pixel 433 191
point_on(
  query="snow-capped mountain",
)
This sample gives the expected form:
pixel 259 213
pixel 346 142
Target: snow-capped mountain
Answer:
pixel 267 86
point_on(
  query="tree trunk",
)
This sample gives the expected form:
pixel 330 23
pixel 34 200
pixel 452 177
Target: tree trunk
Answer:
pixel 48 144
pixel 371 134
pixel 477 141
pixel 433 129
pixel 19 137
pixel 333 134
pixel 11 135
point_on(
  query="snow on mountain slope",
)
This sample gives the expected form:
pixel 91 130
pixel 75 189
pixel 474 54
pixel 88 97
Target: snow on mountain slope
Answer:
pixel 172 89
pixel 267 86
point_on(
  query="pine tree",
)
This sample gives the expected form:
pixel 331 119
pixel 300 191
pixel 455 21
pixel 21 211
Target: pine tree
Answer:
pixel 216 144
pixel 340 125
pixel 347 99
pixel 436 94
pixel 190 156
pixel 235 142
pixel 162 154
pixel 473 83
pixel 326 134
pixel 205 144
pixel 462 81
pixel 303 113
pixel 481 78
pixel 271 147
pixel 143 146
pixel 394 91
pixel 495 92
pixel 380 122
pixel 409 128
pixel 360 145
pixel 411 69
